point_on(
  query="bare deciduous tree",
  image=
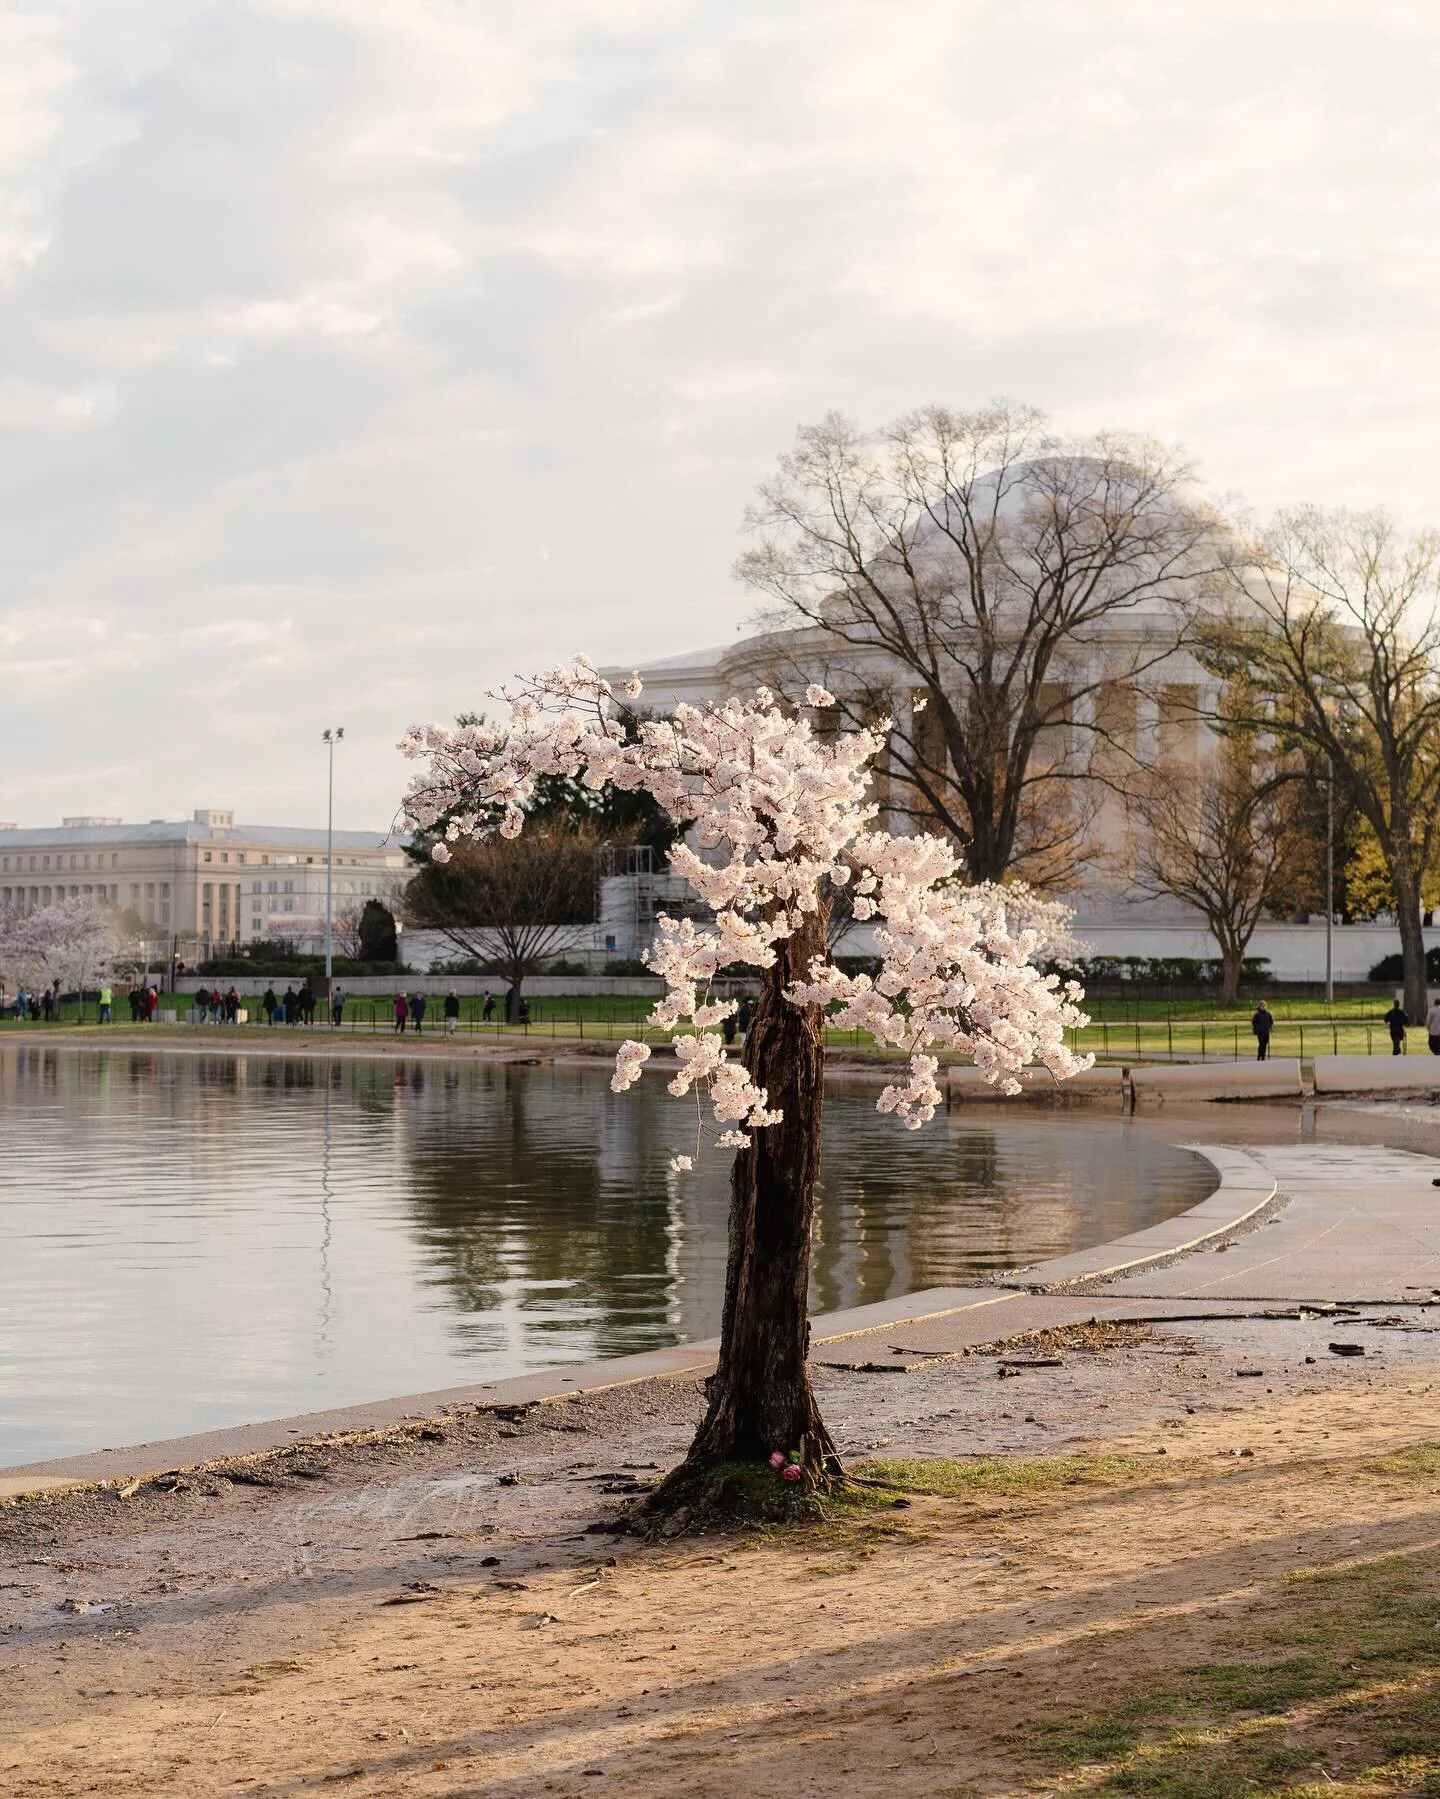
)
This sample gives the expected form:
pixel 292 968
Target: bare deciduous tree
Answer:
pixel 345 928
pixel 1222 837
pixel 1334 625
pixel 979 565
pixel 516 902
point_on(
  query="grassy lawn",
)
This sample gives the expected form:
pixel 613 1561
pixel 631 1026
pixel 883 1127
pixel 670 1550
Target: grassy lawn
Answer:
pixel 1334 1691
pixel 1121 1029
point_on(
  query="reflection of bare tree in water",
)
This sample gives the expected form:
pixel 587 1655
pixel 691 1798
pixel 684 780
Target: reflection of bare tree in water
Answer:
pixel 515 1207
pixel 887 1213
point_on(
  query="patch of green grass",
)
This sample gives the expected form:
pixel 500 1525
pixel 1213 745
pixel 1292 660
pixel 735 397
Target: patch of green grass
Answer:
pixel 1346 1678
pixel 1003 1475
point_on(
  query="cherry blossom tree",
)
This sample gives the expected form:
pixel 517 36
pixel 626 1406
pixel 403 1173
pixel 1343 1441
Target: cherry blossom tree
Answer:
pixel 71 945
pixel 780 813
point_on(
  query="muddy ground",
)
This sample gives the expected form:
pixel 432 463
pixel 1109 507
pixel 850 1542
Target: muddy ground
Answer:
pixel 433 1612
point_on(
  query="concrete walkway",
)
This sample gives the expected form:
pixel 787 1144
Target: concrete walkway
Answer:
pixel 1346 1225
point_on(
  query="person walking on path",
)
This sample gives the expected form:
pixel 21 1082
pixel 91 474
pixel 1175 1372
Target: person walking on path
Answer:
pixel 1432 1025
pixel 232 1006
pixel 290 1006
pixel 452 1012
pixel 202 1005
pixel 269 1005
pixel 337 1007
pixel 305 1000
pixel 402 1011
pixel 487 1011
pixel 417 1010
pixel 107 1001
pixel 1262 1024
pixel 1396 1020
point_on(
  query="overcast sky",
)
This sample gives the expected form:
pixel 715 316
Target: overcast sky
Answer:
pixel 355 354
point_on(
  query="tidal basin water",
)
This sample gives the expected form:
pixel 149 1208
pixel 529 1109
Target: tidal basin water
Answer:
pixel 188 1241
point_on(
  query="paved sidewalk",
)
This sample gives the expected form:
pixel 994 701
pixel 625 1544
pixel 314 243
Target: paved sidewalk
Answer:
pixel 1361 1225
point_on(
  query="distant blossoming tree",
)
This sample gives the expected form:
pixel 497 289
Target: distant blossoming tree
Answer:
pixel 72 945
pixel 780 814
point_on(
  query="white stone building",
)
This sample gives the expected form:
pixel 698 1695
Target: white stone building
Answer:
pixel 206 882
pixel 1158 724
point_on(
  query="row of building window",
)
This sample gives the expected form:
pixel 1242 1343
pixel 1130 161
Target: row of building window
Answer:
pixel 41 864
pixel 28 898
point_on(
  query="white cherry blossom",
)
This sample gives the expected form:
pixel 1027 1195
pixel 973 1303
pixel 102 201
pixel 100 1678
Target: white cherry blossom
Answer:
pixel 776 808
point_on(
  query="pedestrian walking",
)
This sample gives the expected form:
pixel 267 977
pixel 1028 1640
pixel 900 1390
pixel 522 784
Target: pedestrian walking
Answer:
pixel 452 1012
pixel 1396 1020
pixel 1262 1024
pixel 290 1006
pixel 269 1005
pixel 337 1007
pixel 202 1005
pixel 305 1002
pixel 487 1011
pixel 107 1001
pixel 524 1011
pixel 152 1004
pixel 728 1027
pixel 232 1006
pixel 417 1010
pixel 134 998
pixel 402 1011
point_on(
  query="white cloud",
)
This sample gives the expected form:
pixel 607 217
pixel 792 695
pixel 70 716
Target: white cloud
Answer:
pixel 358 352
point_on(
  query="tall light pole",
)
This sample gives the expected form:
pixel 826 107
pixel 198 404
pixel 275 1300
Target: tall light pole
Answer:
pixel 330 738
pixel 1329 881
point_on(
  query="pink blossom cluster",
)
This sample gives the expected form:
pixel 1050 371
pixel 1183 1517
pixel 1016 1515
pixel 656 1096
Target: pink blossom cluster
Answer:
pixel 955 974
pixel 776 809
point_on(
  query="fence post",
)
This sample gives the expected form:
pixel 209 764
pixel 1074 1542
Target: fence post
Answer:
pixel 1302 1039
pixel 1202 1039
pixel 1169 1039
pixel 1237 1042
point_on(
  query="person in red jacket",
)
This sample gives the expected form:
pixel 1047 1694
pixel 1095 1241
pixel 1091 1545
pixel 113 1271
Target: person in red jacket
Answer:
pixel 402 1011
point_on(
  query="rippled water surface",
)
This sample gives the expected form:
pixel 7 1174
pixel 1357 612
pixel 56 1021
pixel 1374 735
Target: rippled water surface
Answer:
pixel 190 1241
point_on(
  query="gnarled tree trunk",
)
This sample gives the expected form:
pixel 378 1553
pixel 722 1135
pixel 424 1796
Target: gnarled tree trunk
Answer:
pixel 760 1397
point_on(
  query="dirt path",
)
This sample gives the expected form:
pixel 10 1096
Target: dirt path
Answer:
pixel 398 1619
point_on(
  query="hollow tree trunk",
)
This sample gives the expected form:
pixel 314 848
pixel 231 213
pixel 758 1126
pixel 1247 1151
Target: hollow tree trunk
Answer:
pixel 760 1397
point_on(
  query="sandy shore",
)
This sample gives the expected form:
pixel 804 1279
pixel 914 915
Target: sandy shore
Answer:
pixel 429 1611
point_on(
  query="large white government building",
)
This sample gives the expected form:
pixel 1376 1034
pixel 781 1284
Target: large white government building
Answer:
pixel 204 881
pixel 1157 725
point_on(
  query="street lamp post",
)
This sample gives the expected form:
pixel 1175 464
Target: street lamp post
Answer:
pixel 1329 881
pixel 330 738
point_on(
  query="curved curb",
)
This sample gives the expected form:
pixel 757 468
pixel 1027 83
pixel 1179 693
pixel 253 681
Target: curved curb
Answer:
pixel 1244 1192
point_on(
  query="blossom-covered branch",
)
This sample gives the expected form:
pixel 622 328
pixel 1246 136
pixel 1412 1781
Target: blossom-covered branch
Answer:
pixel 777 809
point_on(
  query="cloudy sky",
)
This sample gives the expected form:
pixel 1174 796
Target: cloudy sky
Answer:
pixel 357 353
